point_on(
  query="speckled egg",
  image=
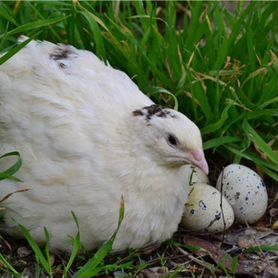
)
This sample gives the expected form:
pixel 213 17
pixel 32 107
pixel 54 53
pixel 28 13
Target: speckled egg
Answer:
pixel 197 175
pixel 203 211
pixel 245 191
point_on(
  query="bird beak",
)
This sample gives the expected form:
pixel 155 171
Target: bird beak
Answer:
pixel 199 160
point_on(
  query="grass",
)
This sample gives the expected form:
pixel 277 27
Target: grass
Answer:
pixel 219 68
pixel 92 268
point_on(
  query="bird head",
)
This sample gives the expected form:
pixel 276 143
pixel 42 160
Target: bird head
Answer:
pixel 171 138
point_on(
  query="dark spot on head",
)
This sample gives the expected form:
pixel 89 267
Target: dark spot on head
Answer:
pixel 237 195
pixel 62 53
pixel 246 198
pixel 153 110
pixel 192 211
pixel 137 113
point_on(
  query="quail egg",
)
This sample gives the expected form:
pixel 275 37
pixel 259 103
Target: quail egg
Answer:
pixel 245 191
pixel 203 210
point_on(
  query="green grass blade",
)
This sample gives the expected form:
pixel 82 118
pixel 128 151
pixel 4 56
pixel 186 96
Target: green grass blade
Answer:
pixel 164 91
pixel 91 268
pixel 8 174
pixel 234 266
pixel 46 248
pixel 7 265
pixel 98 38
pixel 252 157
pixel 216 126
pixel 13 51
pixel 75 247
pixel 264 248
pixel 270 173
pixel 34 25
pixel 6 13
pixel 217 142
pixel 41 258
pixel 259 142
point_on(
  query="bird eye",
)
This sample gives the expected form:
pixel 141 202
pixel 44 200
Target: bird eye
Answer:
pixel 172 140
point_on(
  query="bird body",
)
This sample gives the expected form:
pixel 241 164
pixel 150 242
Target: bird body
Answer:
pixel 88 135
